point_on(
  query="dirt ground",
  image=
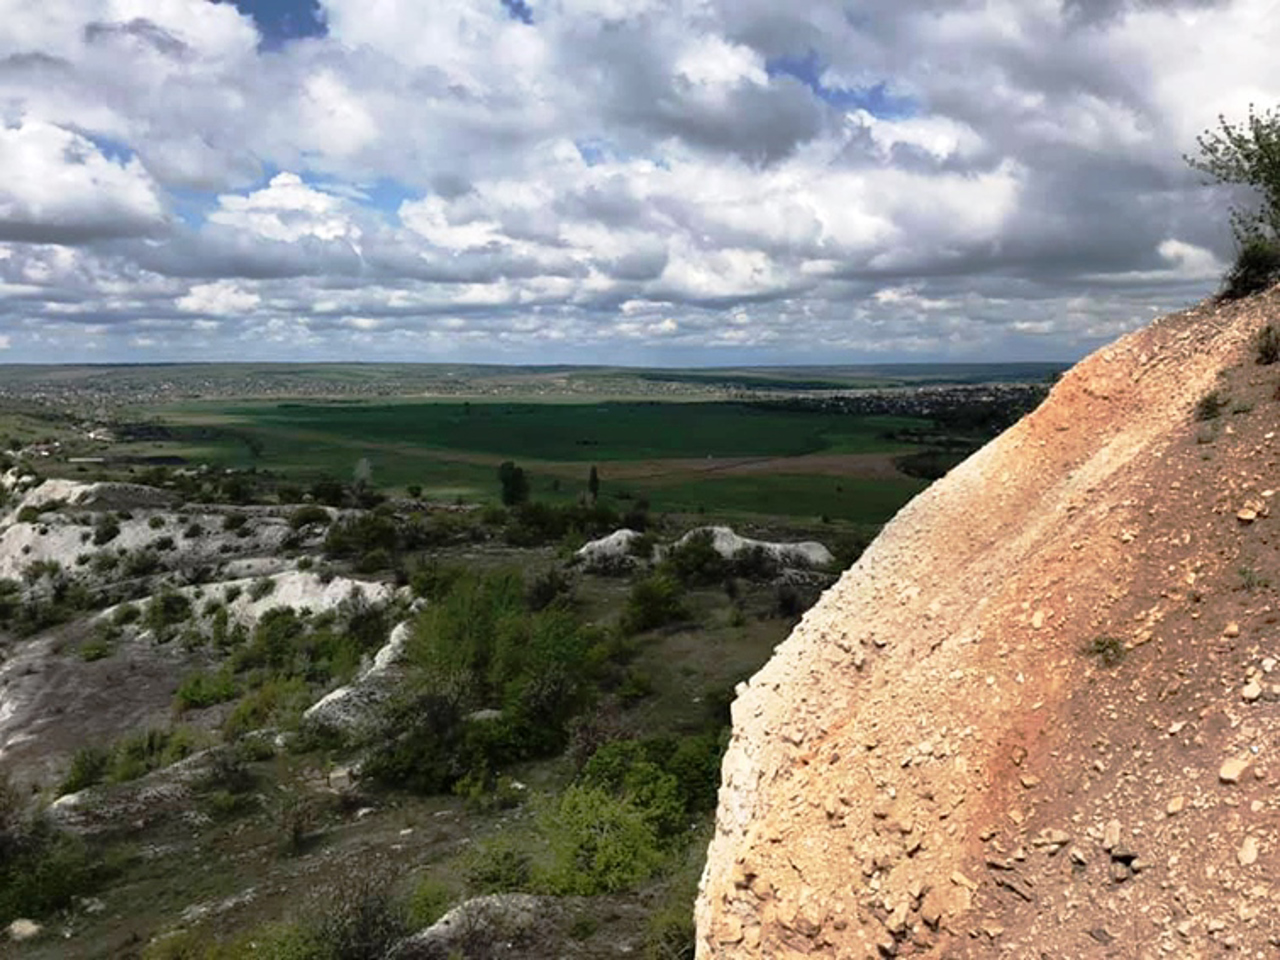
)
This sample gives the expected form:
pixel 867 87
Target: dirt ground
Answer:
pixel 1039 717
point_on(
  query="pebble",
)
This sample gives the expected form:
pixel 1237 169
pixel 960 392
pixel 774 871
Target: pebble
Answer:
pixel 1251 692
pixel 1175 806
pixel 1232 629
pixel 1111 835
pixel 1247 855
pixel 1231 770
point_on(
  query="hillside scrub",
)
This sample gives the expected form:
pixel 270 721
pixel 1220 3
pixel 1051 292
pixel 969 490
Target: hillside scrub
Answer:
pixel 1248 154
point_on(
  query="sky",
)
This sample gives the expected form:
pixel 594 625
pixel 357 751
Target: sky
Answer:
pixel 638 182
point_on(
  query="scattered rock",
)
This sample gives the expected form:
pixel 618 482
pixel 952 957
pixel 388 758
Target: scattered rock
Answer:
pixel 1231 770
pixel 22 929
pixel 1175 806
pixel 1232 629
pixel 1251 691
pixel 1111 835
pixel 1247 855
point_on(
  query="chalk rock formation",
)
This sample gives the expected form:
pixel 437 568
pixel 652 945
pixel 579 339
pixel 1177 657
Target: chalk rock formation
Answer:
pixel 929 764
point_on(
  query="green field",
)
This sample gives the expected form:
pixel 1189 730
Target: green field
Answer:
pixel 672 454
pixel 577 432
pixel 853 499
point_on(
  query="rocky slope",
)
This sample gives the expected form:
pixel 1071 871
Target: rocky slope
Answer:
pixel 1037 718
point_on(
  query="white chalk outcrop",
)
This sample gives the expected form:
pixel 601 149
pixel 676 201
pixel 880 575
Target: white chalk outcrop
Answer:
pixel 356 708
pixel 729 544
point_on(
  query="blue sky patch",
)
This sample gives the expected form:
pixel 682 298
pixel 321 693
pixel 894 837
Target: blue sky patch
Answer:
pixel 280 21
pixel 518 10
pixel 876 99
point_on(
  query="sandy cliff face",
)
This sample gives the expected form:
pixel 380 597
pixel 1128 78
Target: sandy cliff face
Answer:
pixel 930 765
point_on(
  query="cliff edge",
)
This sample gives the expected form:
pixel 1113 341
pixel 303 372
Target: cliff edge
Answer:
pixel 1037 716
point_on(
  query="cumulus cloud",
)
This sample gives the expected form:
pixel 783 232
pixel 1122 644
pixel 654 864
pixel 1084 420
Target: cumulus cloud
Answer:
pixel 600 180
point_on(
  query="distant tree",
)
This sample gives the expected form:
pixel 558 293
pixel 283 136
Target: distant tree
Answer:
pixel 515 485
pixel 362 475
pixel 414 490
pixel 593 484
pixel 329 492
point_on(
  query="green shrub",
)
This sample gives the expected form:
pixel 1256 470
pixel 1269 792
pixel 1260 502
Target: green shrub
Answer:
pixel 261 588
pixel 203 689
pixel 1210 406
pixel 96 648
pixel 361 918
pixel 88 767
pixel 358 535
pixel 277 702
pixel 599 843
pixel 696 562
pixel 1109 651
pixel 166 610
pixel 1267 344
pixel 105 530
pixel 155 523
pixel 307 515
pixel 139 754
pixel 43 869
pixel 653 602
pixel 233 522
pixel 1256 267
pixel 430 900
pixel 498 866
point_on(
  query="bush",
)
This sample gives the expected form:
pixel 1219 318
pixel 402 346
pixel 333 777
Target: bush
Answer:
pixel 498 866
pixel 430 900
pixel 696 562
pixel 167 609
pixel 105 530
pixel 1210 406
pixel 261 588
pixel 1256 267
pixel 88 767
pixel 1267 343
pixel 201 689
pixel 1109 651
pixel 307 515
pixel 42 869
pixel 361 919
pixel 653 602
pixel 599 843
pixel 155 523
pixel 361 534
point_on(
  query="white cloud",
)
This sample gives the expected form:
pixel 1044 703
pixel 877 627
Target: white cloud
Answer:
pixel 638 170
pixel 56 185
pixel 223 297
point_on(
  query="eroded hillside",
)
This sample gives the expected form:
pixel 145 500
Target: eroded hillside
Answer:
pixel 1037 718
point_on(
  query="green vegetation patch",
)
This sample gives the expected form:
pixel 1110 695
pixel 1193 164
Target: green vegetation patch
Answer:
pixel 581 432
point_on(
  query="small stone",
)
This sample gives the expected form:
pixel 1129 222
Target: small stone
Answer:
pixel 1175 728
pixel 730 930
pixel 1251 692
pixel 1247 515
pixel 23 929
pixel 1111 834
pixel 1029 781
pixel 1119 871
pixel 1185 928
pixel 1231 770
pixel 1247 855
pixel 1232 629
pixel 1055 840
pixel 1077 856
pixel 1175 806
